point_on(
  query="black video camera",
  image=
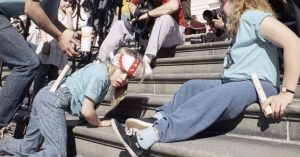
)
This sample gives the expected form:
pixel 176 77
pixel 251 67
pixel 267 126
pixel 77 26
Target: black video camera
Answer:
pixel 139 26
pixel 209 15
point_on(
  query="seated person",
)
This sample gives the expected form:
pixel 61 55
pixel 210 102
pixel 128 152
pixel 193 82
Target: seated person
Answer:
pixel 80 94
pixel 200 103
pixel 169 24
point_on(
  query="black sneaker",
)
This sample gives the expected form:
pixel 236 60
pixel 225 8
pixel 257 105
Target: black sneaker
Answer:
pixel 128 138
pixel 140 123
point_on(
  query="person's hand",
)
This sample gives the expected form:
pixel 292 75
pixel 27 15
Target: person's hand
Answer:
pixel 77 36
pixel 105 123
pixel 218 23
pixel 65 42
pixel 144 17
pixel 278 103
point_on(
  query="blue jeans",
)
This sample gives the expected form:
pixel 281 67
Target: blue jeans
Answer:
pixel 200 103
pixel 16 52
pixel 47 126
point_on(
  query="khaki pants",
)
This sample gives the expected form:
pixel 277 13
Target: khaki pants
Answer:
pixel 166 32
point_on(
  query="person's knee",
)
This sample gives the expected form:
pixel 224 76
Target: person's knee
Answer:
pixel 165 19
pixel 118 25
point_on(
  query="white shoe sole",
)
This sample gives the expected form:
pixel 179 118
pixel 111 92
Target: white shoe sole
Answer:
pixel 135 123
pixel 115 128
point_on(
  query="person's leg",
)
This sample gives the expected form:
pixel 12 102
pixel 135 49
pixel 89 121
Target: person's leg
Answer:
pixel 40 79
pixel 114 40
pixel 166 32
pixel 52 121
pixel 199 112
pixel 47 126
pixel 188 90
pixel 19 55
pixel 33 138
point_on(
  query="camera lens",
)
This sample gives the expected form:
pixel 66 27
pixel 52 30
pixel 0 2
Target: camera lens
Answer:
pixel 139 26
pixel 208 15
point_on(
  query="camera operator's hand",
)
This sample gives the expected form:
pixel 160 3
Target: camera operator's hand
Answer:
pixel 218 23
pixel 145 17
pixel 65 42
pixel 139 12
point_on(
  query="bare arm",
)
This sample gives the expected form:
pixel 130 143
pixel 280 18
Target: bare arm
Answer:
pixel 166 9
pixel 132 8
pixel 50 24
pixel 279 34
pixel 89 113
pixel 35 12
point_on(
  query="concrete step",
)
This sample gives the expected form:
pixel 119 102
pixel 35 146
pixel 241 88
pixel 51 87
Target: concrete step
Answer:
pixel 176 78
pixel 250 123
pixel 186 69
pixel 199 49
pixel 204 59
pixel 215 48
pixel 102 142
pixel 203 46
pixel 199 52
pixel 166 79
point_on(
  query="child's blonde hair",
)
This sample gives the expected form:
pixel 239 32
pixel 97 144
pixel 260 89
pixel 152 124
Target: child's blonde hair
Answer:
pixel 118 94
pixel 239 7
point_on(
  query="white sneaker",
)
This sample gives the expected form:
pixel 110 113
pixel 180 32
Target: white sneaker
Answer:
pixel 148 69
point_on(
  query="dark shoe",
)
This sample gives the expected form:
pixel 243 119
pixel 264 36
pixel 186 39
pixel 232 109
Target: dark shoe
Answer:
pixel 140 123
pixel 128 138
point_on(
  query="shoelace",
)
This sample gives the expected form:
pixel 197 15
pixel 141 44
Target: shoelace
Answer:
pixel 132 131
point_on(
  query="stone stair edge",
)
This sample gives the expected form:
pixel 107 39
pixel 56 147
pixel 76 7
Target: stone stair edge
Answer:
pixel 178 77
pixel 187 68
pixel 214 45
pixel 199 59
pixel 191 147
pixel 107 135
pixel 253 110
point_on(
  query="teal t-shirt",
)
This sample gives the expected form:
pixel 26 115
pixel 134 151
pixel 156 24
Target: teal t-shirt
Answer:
pixel 250 52
pixel 90 81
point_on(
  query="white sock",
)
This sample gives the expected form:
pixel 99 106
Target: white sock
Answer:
pixel 147 137
pixel 146 59
pixel 158 115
